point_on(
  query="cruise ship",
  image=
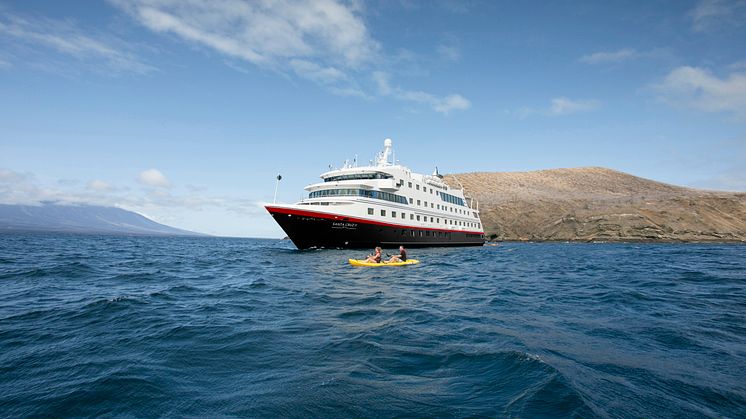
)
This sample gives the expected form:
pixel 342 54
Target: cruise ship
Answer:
pixel 382 204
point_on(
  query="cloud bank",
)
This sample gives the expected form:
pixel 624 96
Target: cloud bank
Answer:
pixel 439 104
pixel 699 89
pixel 609 57
pixel 324 41
pixel 710 15
pixel 66 38
pixel 560 106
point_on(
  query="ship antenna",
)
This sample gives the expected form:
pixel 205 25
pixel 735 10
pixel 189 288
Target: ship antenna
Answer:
pixel 279 178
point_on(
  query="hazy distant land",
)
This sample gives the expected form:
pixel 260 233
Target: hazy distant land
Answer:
pixel 88 219
pixel 598 204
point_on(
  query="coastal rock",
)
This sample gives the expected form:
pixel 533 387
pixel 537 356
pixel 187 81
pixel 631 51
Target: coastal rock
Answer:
pixel 599 204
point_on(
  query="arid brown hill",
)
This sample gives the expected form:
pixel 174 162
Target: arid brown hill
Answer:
pixel 598 204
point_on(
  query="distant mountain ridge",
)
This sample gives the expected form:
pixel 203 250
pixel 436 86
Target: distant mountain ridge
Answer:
pixel 599 204
pixel 54 217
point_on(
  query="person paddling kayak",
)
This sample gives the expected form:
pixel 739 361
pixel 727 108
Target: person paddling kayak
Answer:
pixel 401 257
pixel 376 258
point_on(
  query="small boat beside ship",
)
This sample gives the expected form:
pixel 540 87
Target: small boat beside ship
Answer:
pixel 382 204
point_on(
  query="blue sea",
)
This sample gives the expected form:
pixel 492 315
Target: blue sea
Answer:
pixel 146 326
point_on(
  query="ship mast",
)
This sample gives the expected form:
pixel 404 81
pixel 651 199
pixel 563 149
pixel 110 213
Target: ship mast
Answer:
pixel 383 157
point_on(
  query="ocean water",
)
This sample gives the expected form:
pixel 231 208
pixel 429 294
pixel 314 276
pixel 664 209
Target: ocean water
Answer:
pixel 96 325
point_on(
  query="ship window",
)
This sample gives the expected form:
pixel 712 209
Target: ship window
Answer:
pixel 411 200
pixel 431 205
pixel 411 216
pixel 410 184
pixel 418 218
pixel 424 189
pixel 431 219
pixel 370 211
pixel 437 220
pixel 451 199
pixel 358 176
pixel 393 214
pixel 403 215
pixel 418 187
pixel 383 213
pixel 425 203
pixel 401 182
pixel 418 202
pixel 431 191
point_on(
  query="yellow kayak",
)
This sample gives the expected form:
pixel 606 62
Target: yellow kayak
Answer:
pixel 362 262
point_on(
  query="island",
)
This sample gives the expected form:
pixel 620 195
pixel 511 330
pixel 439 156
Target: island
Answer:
pixel 599 204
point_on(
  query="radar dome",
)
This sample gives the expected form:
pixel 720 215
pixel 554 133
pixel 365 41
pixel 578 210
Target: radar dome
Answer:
pixel 387 142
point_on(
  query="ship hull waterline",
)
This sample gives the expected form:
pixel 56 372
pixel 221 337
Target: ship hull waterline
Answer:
pixel 310 229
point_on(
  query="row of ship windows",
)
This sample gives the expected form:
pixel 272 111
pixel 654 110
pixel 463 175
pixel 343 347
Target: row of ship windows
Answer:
pixel 359 192
pixel 358 176
pixel 418 217
pixel 442 207
pixel 428 233
pixel 444 196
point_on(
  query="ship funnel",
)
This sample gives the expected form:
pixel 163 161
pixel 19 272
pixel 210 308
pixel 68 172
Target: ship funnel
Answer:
pixel 383 158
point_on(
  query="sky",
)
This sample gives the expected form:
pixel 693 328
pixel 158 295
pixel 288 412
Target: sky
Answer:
pixel 185 111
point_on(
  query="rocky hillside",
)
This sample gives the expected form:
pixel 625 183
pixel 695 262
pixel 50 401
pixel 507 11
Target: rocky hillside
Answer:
pixel 598 204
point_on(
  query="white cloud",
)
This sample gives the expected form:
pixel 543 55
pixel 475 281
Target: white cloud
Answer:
pixel 565 106
pixel 324 41
pixel 560 106
pixel 263 32
pixel 66 38
pixel 439 104
pixel 610 57
pixel 713 14
pixel 449 52
pixel 317 73
pixel 450 103
pixel 699 89
pixel 153 177
pixel 737 66
pixel 100 185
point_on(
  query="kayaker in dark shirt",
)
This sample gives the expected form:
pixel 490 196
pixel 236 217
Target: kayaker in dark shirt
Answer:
pixel 376 258
pixel 401 257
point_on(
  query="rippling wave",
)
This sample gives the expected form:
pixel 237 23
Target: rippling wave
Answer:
pixel 96 325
